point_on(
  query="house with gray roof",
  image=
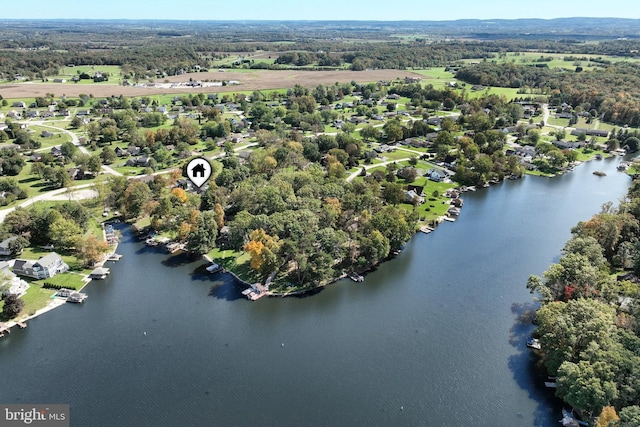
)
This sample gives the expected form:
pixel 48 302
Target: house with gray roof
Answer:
pixel 47 266
pixel 5 250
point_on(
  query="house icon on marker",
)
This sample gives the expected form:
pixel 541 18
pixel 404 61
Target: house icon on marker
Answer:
pixel 198 170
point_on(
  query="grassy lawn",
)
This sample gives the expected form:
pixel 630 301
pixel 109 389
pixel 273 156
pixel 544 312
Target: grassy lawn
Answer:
pixel 238 263
pixel 35 299
pixel 585 154
pixel 397 155
pixel 67 280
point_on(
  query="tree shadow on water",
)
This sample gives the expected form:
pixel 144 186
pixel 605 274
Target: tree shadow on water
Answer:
pixel 528 370
pixel 226 290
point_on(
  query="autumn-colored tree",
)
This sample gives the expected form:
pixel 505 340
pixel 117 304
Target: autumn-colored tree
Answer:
pixel 180 194
pixel 608 417
pixel 184 230
pixel 263 250
pixel 255 250
pixel 91 250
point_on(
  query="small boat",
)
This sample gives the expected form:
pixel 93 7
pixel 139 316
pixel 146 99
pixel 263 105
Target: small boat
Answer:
pixel 568 420
pixel 599 173
pixel 356 277
pixel 214 268
pixel 533 343
pixel 598 156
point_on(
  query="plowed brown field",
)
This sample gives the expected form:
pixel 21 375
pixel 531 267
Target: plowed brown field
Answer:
pixel 249 81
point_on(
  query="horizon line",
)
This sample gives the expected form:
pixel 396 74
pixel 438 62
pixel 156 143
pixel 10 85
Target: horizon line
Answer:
pixel 315 20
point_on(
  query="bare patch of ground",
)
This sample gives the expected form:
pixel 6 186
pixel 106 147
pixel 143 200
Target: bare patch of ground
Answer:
pixel 249 81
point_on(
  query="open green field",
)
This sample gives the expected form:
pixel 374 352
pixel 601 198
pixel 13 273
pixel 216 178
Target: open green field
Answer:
pixel 67 73
pixel 553 60
pixel 439 78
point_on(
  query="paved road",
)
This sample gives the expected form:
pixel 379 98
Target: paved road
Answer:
pixel 52 195
pixel 76 142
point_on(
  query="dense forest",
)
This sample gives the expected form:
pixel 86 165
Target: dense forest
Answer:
pixel 589 322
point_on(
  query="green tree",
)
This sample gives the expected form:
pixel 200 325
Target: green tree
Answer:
pixel 135 196
pixel 108 156
pixel 203 238
pixel 65 233
pixel 393 193
pixel 12 306
pixel 585 386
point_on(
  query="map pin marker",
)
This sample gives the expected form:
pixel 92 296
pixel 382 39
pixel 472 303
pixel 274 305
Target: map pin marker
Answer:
pixel 199 171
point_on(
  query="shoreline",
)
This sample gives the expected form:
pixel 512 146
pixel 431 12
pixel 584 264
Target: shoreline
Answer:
pixel 59 302
pixel 432 227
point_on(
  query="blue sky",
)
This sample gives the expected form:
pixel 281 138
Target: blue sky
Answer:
pixel 316 10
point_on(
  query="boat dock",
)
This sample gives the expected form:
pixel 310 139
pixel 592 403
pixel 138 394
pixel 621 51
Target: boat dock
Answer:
pixel 174 247
pixel 426 229
pixel 114 257
pixel 100 273
pixel 71 296
pixel 356 277
pixel 77 297
pixel 21 325
pixel 214 268
pixel 255 291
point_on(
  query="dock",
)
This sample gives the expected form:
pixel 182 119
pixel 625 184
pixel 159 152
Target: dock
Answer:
pixel 255 291
pixel 214 268
pixel 174 247
pixel 100 273
pixel 21 325
pixel 4 328
pixel 356 277
pixel 114 257
pixel 77 297
pixel 426 229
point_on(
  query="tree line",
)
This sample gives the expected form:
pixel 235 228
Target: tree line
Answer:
pixel 588 323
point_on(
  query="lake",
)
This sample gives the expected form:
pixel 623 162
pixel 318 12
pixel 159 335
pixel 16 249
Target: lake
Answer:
pixel 434 337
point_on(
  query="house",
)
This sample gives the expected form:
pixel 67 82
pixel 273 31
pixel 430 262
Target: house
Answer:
pixel 46 134
pixel 56 151
pixel 437 175
pixel 142 161
pixel 568 145
pixel 17 286
pixel 525 151
pixel 134 151
pixel 121 152
pixel 590 132
pixel 47 266
pixel 32 114
pixel 434 121
pixel 35 157
pixel 5 250
pixel 414 192
pixel 19 105
pixel 410 196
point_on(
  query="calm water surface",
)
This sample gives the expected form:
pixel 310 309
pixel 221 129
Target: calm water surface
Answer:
pixel 432 338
